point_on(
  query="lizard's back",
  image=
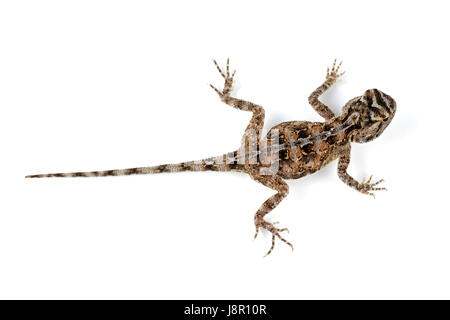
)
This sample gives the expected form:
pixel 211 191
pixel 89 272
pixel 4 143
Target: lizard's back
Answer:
pixel 305 147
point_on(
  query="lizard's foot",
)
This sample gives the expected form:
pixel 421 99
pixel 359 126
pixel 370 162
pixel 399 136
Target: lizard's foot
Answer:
pixel 261 223
pixel 333 75
pixel 366 186
pixel 228 80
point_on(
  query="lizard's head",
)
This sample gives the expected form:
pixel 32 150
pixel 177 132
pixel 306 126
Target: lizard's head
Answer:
pixel 370 114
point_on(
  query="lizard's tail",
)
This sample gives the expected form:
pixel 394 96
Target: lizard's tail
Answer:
pixel 226 162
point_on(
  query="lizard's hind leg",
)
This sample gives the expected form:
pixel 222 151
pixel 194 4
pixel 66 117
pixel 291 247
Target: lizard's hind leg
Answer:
pixel 252 133
pixel 276 183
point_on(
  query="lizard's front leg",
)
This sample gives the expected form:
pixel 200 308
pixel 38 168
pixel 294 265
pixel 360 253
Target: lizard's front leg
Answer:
pixel 363 186
pixel 274 182
pixel 331 78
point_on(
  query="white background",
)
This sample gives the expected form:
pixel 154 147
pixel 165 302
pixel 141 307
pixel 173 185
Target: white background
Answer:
pixel 87 85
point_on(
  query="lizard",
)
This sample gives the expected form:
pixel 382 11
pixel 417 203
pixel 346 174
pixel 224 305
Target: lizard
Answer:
pixel 290 150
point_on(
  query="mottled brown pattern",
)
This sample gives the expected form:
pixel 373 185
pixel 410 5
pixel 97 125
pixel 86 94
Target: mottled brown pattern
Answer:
pixel 290 150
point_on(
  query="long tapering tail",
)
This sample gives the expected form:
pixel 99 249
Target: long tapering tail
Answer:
pixel 226 162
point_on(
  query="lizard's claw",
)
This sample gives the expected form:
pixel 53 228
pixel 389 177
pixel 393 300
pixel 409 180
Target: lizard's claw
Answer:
pixel 228 79
pixel 275 233
pixel 366 186
pixel 333 75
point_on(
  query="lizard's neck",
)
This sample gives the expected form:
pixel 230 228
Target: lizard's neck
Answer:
pixel 342 126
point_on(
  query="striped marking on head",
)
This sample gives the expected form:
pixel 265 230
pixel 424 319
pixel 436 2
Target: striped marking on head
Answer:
pixel 381 105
